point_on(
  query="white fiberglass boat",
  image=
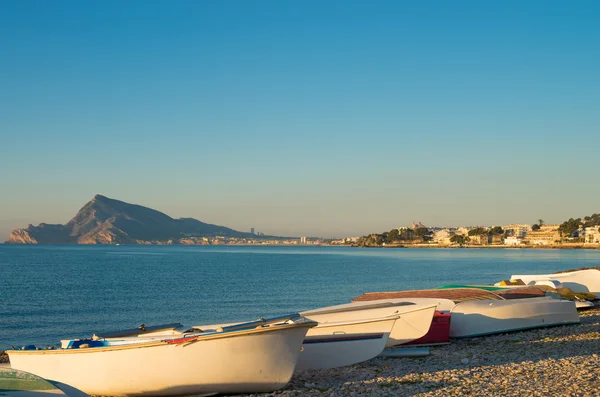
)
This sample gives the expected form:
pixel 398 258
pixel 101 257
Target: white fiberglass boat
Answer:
pixel 414 320
pixel 478 318
pixel 247 358
pixel 587 280
pixel 338 344
pixel 486 315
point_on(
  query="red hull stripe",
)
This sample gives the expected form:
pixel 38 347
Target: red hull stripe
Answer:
pixel 181 340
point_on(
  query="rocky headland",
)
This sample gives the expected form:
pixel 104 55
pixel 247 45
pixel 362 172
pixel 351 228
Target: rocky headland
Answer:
pixel 108 221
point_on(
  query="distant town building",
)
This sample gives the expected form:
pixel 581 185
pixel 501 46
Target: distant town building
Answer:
pixel 513 240
pixel 443 237
pixel 302 240
pixel 590 235
pixel 546 235
pixel 251 230
pixel 516 229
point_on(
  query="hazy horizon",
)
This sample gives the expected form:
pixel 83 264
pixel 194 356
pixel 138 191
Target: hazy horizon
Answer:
pixel 322 119
pixel 289 232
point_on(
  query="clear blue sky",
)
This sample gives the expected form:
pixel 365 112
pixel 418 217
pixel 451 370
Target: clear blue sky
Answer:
pixel 328 118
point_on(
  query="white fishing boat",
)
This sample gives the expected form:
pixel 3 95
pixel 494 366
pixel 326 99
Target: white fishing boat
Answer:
pixel 246 358
pixel 587 280
pixel 414 320
pixel 478 317
pixel 476 313
pixel 338 344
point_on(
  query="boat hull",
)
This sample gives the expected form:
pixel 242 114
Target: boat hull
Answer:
pixel 340 344
pixel 478 318
pixel 578 281
pixel 413 323
pixel 438 327
pixel 248 362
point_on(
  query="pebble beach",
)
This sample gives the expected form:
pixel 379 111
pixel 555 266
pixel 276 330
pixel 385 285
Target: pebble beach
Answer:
pixel 556 361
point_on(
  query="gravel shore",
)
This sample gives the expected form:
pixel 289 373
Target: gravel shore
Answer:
pixel 557 361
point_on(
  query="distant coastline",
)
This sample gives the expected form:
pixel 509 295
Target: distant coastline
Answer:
pixel 294 243
pixel 510 247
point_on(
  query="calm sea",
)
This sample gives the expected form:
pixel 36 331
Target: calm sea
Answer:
pixel 53 292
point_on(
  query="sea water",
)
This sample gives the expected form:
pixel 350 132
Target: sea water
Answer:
pixel 53 292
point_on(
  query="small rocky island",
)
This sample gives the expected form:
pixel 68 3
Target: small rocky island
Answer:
pixel 108 221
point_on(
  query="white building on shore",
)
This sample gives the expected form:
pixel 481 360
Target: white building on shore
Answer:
pixel 516 229
pixel 442 237
pixel 591 235
pixel 513 240
pixel 546 235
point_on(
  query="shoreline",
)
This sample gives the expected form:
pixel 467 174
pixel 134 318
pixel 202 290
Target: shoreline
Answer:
pixel 533 247
pixel 590 247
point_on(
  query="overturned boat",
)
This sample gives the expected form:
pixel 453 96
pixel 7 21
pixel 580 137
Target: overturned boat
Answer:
pixel 349 334
pixel 245 358
pixel 414 320
pixel 477 312
pixel 478 318
pixel 583 280
pixel 342 343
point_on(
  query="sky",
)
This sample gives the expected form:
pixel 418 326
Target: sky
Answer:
pixel 318 118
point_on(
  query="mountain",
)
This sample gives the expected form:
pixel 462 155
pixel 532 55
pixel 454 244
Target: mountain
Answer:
pixel 107 221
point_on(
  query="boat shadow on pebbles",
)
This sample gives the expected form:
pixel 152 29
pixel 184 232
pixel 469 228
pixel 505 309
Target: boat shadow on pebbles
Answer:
pixel 531 359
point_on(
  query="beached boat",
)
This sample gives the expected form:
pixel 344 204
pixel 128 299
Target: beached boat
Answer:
pixel 476 312
pixel 438 330
pixel 338 344
pixel 586 280
pixel 583 300
pixel 246 358
pixel 413 323
pixel 477 318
